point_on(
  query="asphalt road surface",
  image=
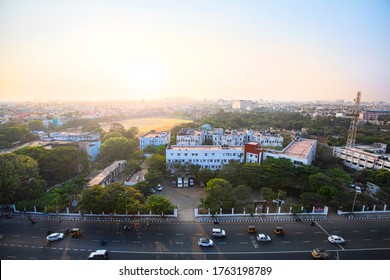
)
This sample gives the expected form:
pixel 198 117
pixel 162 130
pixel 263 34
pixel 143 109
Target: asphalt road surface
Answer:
pixel 365 240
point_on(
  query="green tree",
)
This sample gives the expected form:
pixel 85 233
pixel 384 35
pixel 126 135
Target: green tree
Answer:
pixel 19 178
pixel 111 135
pixel 132 132
pixel 242 193
pixel 117 148
pixel 36 126
pixel 153 177
pixel 159 204
pixel 218 194
pixel 118 127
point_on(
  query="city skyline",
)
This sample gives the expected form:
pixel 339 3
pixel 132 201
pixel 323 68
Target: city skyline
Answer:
pixel 129 50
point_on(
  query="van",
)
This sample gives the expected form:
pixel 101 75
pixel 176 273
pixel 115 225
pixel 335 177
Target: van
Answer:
pixel 98 255
pixel 186 182
pixel 179 182
pixel 192 183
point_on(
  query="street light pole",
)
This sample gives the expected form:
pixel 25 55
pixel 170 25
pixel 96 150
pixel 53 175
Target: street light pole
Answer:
pixel 353 205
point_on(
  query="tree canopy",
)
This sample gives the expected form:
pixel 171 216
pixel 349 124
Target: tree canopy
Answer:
pixel 19 178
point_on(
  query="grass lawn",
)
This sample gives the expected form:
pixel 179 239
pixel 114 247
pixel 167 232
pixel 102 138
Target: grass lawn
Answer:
pixel 147 124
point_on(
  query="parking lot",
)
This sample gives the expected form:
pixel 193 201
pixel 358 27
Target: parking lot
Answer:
pixel 185 199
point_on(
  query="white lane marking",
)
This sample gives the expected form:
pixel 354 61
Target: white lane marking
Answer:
pixel 356 230
pixel 222 243
pixel 306 241
pixel 373 230
pixel 137 242
pixel 159 233
pixel 239 234
pixel 318 232
pixel 15 235
pixel 367 239
pixel 286 241
pixel 35 237
pixel 179 243
pixel 179 233
pixel 244 242
pixel 298 232
pixel 115 241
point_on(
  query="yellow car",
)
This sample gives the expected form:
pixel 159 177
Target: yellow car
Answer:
pixel 75 232
pixel 251 229
pixel 278 231
pixel 320 254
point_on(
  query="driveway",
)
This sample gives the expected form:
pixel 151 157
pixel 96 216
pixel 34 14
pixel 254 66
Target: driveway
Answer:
pixel 186 200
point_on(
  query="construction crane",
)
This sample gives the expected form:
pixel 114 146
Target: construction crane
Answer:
pixel 353 126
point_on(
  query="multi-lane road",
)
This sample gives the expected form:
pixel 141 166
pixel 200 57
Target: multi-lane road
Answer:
pixel 365 240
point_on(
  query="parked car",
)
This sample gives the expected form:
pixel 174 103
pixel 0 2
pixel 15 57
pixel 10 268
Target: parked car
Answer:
pixel 335 239
pixel 98 255
pixel 174 183
pixel 358 189
pixel 261 237
pixel 205 242
pixel 192 183
pixel 217 232
pixel 152 190
pixel 55 236
pixel 278 201
pixel 320 254
pixel 159 187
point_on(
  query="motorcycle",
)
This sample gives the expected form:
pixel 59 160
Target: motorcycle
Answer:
pixel 312 223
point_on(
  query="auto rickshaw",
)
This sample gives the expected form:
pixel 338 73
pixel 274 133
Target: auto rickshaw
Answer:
pixel 278 231
pixel 75 232
pixel 251 229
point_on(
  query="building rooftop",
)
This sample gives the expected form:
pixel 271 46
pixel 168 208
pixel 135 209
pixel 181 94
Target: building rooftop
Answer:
pixel 154 135
pixel 299 148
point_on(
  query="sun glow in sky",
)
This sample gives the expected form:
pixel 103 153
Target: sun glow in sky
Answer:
pixel 275 50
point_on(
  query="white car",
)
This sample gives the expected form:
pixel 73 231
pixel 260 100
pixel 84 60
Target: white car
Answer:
pixel 159 187
pixel 335 239
pixel 55 236
pixel 217 232
pixel 261 237
pixel 278 201
pixel 205 242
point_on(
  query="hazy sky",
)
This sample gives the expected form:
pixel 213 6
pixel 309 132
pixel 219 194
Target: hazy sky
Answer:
pixel 274 50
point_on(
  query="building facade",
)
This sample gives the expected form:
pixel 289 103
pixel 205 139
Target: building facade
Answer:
pixel 300 151
pixel 106 176
pixel 155 139
pixel 359 159
pixel 190 137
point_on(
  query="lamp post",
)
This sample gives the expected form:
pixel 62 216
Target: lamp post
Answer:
pixel 354 200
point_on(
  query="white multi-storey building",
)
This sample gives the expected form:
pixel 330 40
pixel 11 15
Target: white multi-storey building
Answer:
pixel 229 138
pixel 300 151
pixel 155 139
pixel 190 137
pixel 359 159
pixel 266 139
pixel 210 157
